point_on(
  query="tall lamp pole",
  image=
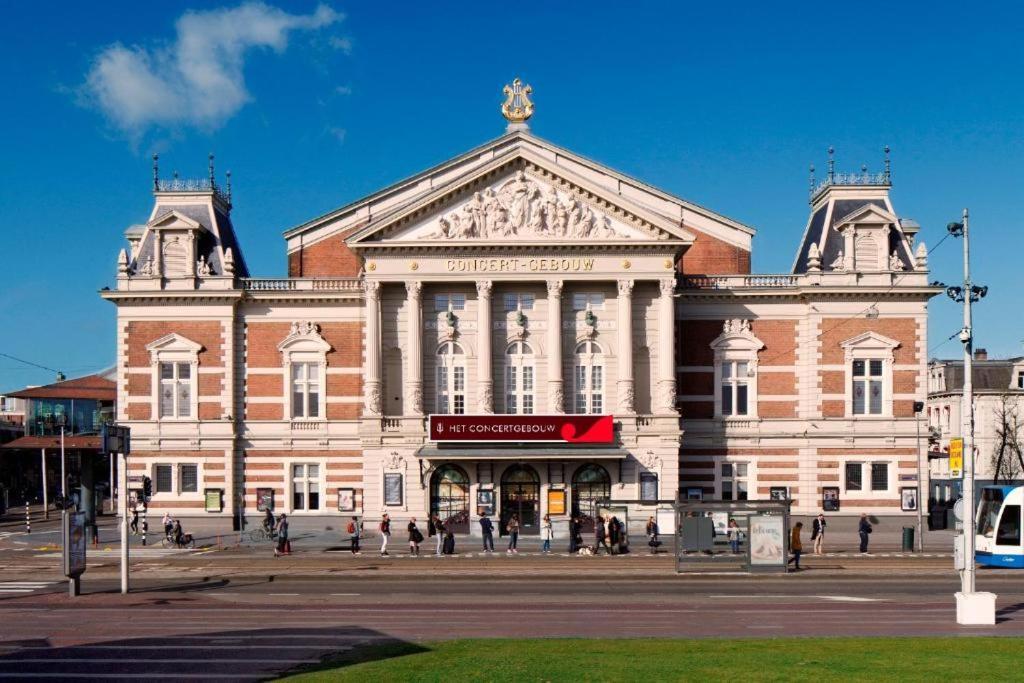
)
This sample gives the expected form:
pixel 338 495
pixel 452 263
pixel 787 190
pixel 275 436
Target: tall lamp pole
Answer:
pixel 972 607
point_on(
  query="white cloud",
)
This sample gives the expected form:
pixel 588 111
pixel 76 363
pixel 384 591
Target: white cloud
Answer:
pixel 197 79
pixel 343 90
pixel 342 43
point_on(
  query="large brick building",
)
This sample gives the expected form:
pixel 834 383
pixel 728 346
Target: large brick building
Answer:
pixel 521 278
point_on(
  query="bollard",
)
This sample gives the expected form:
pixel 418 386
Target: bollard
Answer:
pixel 145 526
pixel 28 519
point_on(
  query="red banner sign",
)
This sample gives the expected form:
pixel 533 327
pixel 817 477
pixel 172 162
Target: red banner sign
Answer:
pixel 546 428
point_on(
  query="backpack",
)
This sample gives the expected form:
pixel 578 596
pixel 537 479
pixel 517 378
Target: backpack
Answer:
pixel 351 527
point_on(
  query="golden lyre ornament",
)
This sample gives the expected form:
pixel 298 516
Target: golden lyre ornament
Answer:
pixel 517 107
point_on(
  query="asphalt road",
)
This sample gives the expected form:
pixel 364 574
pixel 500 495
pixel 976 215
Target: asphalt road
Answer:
pixel 255 627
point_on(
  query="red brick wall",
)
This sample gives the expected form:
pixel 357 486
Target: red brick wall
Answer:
pixel 210 384
pixel 776 408
pixel 832 381
pixel 264 385
pixel 139 411
pixel 696 383
pixel 140 384
pixel 776 383
pixel 838 330
pixel 346 340
pixel 205 332
pixel 779 337
pixel 697 410
pixel 343 411
pixel 264 411
pixel 328 257
pixel 344 385
pixel 710 256
pixel 693 341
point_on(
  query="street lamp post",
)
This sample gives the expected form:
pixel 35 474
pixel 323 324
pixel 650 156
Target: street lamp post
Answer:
pixel 972 607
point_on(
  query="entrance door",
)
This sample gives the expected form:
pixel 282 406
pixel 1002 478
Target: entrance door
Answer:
pixel 590 485
pixel 520 495
pixel 449 498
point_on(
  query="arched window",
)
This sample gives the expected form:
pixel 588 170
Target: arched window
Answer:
pixel 588 377
pixel 449 497
pixel 519 379
pixel 591 485
pixel 451 379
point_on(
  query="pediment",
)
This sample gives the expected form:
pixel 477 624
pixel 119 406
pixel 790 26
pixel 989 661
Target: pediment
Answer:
pixel 519 199
pixel 869 214
pixel 173 220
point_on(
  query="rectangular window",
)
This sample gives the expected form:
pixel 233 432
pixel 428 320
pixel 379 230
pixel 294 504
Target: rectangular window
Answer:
pixel 518 302
pixel 581 394
pixel 584 301
pixel 648 487
pixel 734 387
pixel 164 484
pixel 867 387
pixel 189 478
pixel 879 476
pixel 854 476
pixel 175 389
pixel 305 390
pixel 596 390
pixel 305 486
pixel 734 481
pixel 449 302
pixel 1009 526
pixel 1020 380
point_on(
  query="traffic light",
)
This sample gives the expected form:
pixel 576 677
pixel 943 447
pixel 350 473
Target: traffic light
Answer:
pixel 147 488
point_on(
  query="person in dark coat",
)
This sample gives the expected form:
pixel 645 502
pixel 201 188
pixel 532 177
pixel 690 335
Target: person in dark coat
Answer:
pixel 614 534
pixel 864 529
pixel 600 537
pixel 487 529
pixel 283 545
pixel 415 537
pixel 574 535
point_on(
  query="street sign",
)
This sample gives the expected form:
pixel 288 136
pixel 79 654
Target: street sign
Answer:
pixel 956 458
pixel 74 544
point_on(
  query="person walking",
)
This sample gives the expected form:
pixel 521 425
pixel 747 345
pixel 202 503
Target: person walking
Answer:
pixel 574 535
pixel 613 534
pixel 600 536
pixel 487 529
pixel 439 530
pixel 652 535
pixel 863 529
pixel 283 546
pixel 415 537
pixel 168 524
pixel 796 545
pixel 732 532
pixel 135 520
pixel 818 533
pixel 546 534
pixel 355 529
pixel 385 534
pixel 513 534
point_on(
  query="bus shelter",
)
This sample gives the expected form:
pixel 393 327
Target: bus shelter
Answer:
pixel 731 535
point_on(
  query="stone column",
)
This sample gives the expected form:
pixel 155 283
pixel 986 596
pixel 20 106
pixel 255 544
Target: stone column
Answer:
pixel 624 324
pixel 666 397
pixel 372 388
pixel 556 395
pixel 414 349
pixel 485 379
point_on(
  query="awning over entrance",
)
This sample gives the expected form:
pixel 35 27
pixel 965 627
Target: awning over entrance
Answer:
pixel 513 452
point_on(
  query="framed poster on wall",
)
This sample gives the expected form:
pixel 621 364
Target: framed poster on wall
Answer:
pixel 556 501
pixel 392 488
pixel 778 493
pixel 485 502
pixel 264 500
pixel 830 499
pixel 346 500
pixel 214 499
pixel 767 541
pixel 908 498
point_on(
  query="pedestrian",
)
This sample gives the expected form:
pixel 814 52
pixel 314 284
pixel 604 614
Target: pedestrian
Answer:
pixel 168 524
pixel 733 534
pixel 284 546
pixel 864 529
pixel 268 522
pixel 94 529
pixel 652 535
pixel 613 534
pixel 574 535
pixel 487 529
pixel 439 531
pixel 355 528
pixel 818 533
pixel 796 545
pixel 600 536
pixel 415 537
pixel 512 527
pixel 546 534
pixel 135 519
pixel 385 534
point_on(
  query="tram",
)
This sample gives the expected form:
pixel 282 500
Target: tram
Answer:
pixel 999 541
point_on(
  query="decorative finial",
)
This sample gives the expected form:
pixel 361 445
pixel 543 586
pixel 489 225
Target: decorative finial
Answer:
pixel 517 107
pixel 888 168
pixel 175 173
pixel 210 158
pixel 863 168
pixel 831 163
pixel 228 175
pixel 812 177
pixel 156 173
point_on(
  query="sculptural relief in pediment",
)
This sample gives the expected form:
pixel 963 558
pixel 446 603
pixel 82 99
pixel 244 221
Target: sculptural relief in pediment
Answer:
pixel 522 208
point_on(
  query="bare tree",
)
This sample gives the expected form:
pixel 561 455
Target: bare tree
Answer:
pixel 1007 458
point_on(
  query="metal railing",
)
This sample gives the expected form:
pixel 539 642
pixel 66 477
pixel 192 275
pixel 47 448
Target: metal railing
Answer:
pixel 300 284
pixel 862 178
pixel 191 185
pixel 738 281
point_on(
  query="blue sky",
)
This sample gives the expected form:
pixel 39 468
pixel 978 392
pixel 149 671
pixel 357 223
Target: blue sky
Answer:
pixel 314 106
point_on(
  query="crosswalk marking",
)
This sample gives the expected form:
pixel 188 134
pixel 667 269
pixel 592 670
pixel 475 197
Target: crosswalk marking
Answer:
pixel 19 587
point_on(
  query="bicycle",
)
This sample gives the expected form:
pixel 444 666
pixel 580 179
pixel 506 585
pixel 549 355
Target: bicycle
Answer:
pixel 262 535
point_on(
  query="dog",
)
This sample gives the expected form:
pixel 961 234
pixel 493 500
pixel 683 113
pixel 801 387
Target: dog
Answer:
pixel 585 550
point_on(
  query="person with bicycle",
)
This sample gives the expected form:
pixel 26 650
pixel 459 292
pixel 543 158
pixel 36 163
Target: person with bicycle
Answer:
pixel 268 523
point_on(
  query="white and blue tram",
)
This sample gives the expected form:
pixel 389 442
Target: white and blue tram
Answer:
pixel 999 541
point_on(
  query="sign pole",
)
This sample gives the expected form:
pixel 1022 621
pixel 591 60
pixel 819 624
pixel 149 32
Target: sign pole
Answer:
pixel 122 466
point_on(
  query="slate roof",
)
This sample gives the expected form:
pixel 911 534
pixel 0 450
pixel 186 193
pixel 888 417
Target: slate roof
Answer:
pixel 986 375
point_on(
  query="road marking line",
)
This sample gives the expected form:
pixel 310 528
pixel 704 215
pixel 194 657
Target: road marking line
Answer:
pixel 16 590
pixel 345 594
pixel 284 594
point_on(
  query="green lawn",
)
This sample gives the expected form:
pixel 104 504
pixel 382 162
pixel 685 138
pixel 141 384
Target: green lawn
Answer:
pixel 792 659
